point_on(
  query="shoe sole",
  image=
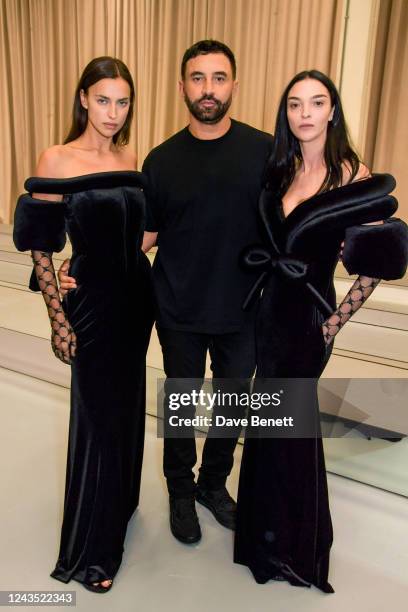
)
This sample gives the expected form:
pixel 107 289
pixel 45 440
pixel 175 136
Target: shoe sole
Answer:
pixel 185 540
pixel 211 509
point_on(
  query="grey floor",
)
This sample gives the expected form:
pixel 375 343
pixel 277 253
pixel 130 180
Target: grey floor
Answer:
pixel 369 568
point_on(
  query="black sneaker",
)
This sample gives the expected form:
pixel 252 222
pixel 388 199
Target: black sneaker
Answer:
pixel 184 523
pixel 220 503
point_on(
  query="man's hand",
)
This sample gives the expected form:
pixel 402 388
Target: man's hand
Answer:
pixel 65 282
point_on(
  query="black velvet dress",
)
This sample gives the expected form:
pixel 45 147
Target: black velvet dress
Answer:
pixel 284 529
pixel 111 314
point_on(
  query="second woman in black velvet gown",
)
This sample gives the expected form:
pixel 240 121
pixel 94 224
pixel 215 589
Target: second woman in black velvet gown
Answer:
pixel 89 188
pixel 314 200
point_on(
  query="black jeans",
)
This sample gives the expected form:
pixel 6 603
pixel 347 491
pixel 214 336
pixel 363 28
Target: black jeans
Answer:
pixel 184 355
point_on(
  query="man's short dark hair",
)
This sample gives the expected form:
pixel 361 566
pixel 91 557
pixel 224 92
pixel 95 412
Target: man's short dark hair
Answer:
pixel 203 47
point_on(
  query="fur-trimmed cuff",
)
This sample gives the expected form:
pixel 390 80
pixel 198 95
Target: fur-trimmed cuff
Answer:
pixel 39 225
pixel 378 251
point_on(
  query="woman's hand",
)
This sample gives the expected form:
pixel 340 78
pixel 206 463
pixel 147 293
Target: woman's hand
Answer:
pixel 65 282
pixel 63 338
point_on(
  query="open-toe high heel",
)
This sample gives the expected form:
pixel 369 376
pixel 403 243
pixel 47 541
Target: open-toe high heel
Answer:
pixel 98 587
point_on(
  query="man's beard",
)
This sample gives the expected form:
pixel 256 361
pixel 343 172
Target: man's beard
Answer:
pixel 208 115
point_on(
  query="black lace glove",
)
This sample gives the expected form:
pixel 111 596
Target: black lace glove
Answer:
pixel 361 289
pixel 63 339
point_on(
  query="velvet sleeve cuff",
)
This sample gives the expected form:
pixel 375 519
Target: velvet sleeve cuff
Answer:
pixel 39 225
pixel 378 251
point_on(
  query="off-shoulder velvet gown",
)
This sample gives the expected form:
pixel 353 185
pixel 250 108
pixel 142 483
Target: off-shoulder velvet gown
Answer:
pixel 284 529
pixel 111 314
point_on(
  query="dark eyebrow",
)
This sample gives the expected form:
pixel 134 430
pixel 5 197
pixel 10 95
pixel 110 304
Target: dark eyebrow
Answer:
pixel 313 97
pixel 218 73
pixel 106 97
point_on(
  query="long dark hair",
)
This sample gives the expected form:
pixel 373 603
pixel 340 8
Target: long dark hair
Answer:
pixel 286 153
pixel 101 68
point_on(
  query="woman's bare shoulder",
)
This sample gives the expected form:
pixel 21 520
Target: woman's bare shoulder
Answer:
pixel 362 173
pixel 51 162
pixel 128 157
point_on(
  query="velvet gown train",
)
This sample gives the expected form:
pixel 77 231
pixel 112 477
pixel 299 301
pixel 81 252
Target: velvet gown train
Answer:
pixel 284 529
pixel 111 314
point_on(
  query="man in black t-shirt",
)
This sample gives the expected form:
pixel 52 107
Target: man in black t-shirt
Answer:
pixel 203 188
pixel 202 209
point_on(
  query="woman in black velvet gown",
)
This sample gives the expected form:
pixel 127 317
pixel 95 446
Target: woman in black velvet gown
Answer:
pixel 89 188
pixel 313 202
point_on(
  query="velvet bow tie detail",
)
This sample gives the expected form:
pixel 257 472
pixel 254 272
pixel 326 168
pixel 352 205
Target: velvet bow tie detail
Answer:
pixel 290 268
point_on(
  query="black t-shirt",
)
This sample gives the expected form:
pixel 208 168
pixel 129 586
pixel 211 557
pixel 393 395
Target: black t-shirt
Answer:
pixel 202 198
